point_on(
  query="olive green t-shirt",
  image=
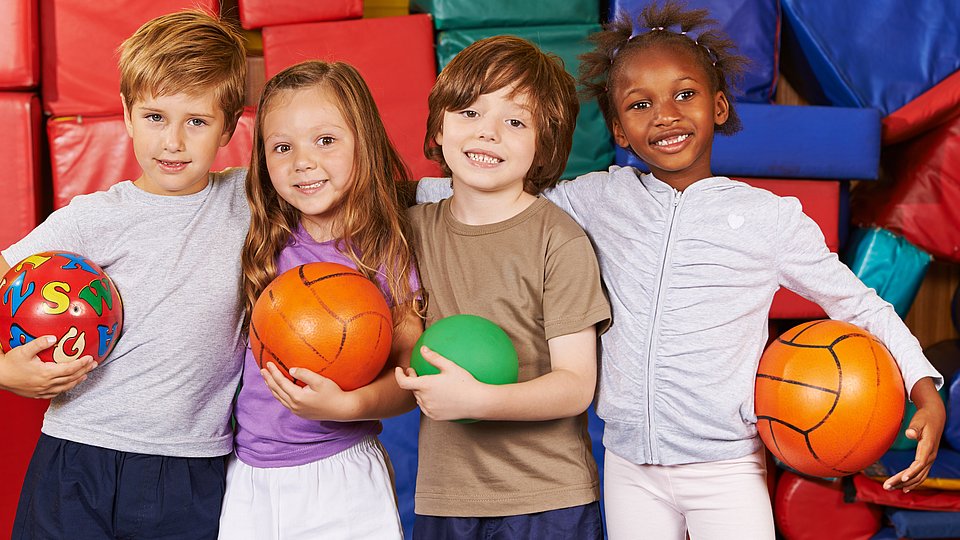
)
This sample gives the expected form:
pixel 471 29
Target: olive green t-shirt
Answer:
pixel 536 276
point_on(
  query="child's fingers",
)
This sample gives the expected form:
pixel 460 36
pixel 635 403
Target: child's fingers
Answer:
pixel 34 347
pixel 436 360
pixel 408 381
pixel 309 378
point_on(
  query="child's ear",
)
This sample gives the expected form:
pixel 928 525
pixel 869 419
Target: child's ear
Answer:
pixel 618 135
pixel 126 116
pixel 438 138
pixel 722 106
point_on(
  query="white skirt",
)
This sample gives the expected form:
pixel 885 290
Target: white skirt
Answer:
pixel 349 495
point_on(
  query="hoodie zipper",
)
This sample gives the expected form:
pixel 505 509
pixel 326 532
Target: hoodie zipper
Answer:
pixel 655 327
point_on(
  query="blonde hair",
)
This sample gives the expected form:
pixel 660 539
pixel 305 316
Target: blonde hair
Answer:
pixel 494 63
pixel 190 51
pixel 371 223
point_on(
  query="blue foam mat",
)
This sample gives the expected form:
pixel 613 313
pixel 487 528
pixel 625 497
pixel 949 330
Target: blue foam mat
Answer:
pixel 784 141
pixel 902 49
pixel 755 27
pixel 917 524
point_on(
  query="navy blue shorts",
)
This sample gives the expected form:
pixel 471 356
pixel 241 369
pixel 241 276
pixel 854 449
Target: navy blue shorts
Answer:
pixel 75 490
pixel 576 523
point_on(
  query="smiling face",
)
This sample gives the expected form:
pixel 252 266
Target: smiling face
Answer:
pixel 175 140
pixel 309 148
pixel 490 145
pixel 666 112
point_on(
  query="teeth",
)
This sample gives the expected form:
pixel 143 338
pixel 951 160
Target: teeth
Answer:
pixel 672 140
pixel 316 184
pixel 483 158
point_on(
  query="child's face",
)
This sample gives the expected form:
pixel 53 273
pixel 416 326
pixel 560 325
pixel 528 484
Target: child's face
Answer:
pixel 309 150
pixel 490 145
pixel 666 112
pixel 175 139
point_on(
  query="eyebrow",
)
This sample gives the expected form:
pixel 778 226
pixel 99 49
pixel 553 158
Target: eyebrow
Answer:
pixel 161 111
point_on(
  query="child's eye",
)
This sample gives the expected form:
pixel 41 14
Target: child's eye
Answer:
pixel 325 141
pixel 639 105
pixel 469 114
pixel 154 117
pixel 196 122
pixel 685 95
pixel 516 123
pixel 281 148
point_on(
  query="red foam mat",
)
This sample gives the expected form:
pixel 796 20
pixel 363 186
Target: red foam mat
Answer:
pixel 821 201
pixel 20 43
pixel 20 425
pixel 20 205
pixel 918 196
pixel 260 13
pixel 395 57
pixel 807 509
pixel 79 40
pixel 928 110
pixel 92 153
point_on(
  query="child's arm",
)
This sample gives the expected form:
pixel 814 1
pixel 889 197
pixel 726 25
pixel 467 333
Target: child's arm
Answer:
pixel 322 399
pixel 566 391
pixel 807 267
pixel 24 374
pixel 925 427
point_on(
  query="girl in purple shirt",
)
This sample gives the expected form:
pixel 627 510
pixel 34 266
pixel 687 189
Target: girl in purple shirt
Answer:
pixel 322 186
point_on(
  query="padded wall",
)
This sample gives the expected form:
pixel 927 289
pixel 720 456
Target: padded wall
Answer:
pixel 451 14
pixel 260 13
pixel 92 153
pixel 395 57
pixel 79 40
pixel 20 43
pixel 880 54
pixel 20 205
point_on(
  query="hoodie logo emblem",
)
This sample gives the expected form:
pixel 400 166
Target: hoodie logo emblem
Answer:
pixel 735 221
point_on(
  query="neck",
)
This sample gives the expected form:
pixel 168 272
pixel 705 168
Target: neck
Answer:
pixel 472 207
pixel 321 231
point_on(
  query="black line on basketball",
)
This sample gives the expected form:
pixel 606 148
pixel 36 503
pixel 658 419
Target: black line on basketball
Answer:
pixel 797 383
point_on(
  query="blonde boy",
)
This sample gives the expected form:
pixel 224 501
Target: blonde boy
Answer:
pixel 501 122
pixel 134 449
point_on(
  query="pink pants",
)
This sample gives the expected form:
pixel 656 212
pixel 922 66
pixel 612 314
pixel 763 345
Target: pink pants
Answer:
pixel 715 500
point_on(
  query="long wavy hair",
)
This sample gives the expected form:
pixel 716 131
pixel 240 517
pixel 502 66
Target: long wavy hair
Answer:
pixel 370 223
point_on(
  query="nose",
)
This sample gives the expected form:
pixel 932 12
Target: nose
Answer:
pixel 303 161
pixel 667 113
pixel 173 139
pixel 488 129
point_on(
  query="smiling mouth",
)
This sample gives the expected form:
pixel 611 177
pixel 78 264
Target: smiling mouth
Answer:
pixel 172 164
pixel 672 140
pixel 483 158
pixel 312 185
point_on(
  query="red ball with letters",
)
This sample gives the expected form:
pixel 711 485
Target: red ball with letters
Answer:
pixel 64 295
pixel 327 318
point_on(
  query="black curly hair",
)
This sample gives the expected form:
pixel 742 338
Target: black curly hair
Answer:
pixel 675 26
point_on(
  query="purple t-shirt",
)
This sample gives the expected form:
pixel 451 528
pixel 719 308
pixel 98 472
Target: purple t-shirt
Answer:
pixel 268 434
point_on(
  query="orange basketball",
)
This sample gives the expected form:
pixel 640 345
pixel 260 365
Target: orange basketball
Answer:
pixel 829 398
pixel 324 317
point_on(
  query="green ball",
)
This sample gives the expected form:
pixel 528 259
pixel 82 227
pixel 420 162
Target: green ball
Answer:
pixel 473 343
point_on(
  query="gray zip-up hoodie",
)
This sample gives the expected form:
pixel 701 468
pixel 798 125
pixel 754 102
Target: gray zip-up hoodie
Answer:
pixel 691 276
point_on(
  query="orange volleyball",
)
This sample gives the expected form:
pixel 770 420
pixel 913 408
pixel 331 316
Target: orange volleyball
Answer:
pixel 829 398
pixel 327 318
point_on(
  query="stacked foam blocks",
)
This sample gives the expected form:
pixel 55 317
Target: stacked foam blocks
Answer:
pixel 905 220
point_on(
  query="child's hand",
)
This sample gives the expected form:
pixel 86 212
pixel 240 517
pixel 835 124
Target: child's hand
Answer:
pixel 320 399
pixel 926 427
pixel 23 373
pixel 451 394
